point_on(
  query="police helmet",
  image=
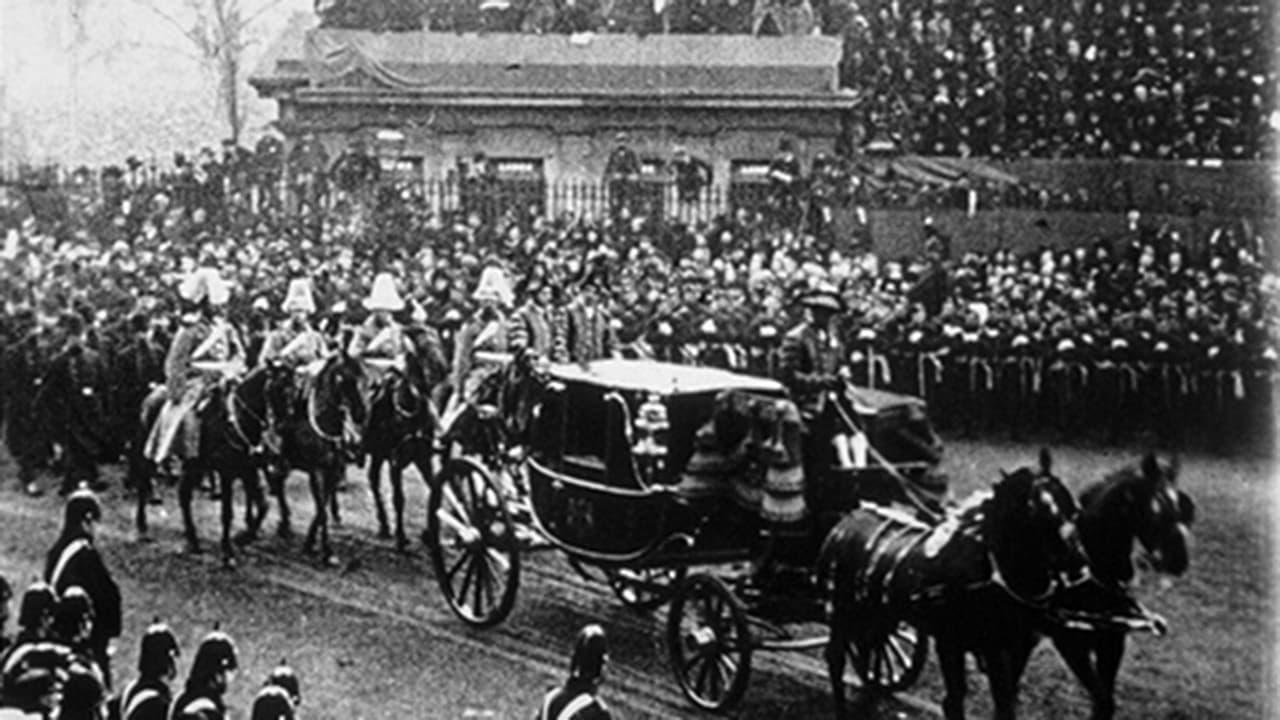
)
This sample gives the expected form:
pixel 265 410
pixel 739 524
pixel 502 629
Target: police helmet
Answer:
pixel 37 605
pixel 83 691
pixel 216 653
pixel 73 610
pixel 159 651
pixel 80 505
pixel 590 650
pixel 283 676
pixel 272 703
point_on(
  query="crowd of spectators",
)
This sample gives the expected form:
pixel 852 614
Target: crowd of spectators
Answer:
pixel 1033 78
pixel 1187 326
pixel 1074 79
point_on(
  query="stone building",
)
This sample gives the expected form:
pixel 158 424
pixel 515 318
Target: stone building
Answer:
pixel 546 110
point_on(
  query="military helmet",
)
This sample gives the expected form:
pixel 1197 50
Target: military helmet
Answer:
pixel 80 505
pixel 75 607
pixel 37 605
pixel 216 653
pixel 590 650
pixel 272 703
pixel 283 676
pixel 159 650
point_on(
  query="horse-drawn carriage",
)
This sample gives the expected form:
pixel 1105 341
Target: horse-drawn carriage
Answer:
pixel 672 483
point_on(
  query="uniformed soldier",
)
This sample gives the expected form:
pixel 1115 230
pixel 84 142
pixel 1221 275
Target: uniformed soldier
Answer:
pixel 590 336
pixel 148 696
pixel 622 176
pixel 295 343
pixel 533 325
pixel 73 625
pixel 71 397
pixel 22 374
pixel 488 329
pixel 74 560
pixel 692 174
pixel 380 340
pixel 205 350
pixel 785 184
pixel 578 698
pixel 212 670
pixel 279 697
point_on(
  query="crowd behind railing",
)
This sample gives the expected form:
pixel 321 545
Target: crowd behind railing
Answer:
pixel 1040 78
pixel 1144 330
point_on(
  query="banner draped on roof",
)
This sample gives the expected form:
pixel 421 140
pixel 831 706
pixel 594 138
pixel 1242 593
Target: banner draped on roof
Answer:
pixel 328 59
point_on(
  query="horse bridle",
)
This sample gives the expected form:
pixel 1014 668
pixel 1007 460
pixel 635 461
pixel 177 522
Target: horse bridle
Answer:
pixel 1059 581
pixel 313 420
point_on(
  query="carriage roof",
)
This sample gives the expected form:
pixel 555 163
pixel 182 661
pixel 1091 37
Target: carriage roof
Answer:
pixel 661 378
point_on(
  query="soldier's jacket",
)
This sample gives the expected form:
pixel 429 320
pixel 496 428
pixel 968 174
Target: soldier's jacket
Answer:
pixel 73 560
pixel 178 372
pixel 294 346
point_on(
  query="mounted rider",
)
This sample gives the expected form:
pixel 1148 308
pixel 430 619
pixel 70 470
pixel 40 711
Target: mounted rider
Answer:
pixel 380 340
pixel 487 330
pixel 206 350
pixel 296 343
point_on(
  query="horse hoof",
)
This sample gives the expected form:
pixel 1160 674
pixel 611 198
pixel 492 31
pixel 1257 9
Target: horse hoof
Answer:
pixel 384 533
pixel 426 538
pixel 193 548
pixel 244 538
pixel 284 532
pixel 144 539
pixel 402 545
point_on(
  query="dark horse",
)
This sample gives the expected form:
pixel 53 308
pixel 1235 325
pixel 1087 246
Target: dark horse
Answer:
pixel 973 582
pixel 234 419
pixel 1139 503
pixel 317 435
pixel 401 429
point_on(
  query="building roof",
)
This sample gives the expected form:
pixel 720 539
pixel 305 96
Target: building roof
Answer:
pixel 552 66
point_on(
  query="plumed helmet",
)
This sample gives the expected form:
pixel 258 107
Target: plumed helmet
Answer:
pixel 494 286
pixel 81 504
pixel 299 297
pixel 37 604
pixel 272 703
pixel 83 690
pixel 159 651
pixel 73 610
pixel 283 676
pixel 217 652
pixel 384 295
pixel 590 650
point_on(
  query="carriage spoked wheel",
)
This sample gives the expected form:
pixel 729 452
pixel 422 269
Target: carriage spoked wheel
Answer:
pixel 474 547
pixel 890 660
pixel 709 642
pixel 644 589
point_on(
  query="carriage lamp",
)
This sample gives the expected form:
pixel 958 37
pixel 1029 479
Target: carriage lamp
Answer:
pixel 651 426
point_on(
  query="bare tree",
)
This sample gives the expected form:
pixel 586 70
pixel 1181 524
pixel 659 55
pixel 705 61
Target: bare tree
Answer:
pixel 220 31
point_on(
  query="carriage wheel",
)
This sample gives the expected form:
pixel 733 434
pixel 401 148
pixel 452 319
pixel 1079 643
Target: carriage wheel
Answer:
pixel 890 661
pixel 709 643
pixel 474 548
pixel 646 589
